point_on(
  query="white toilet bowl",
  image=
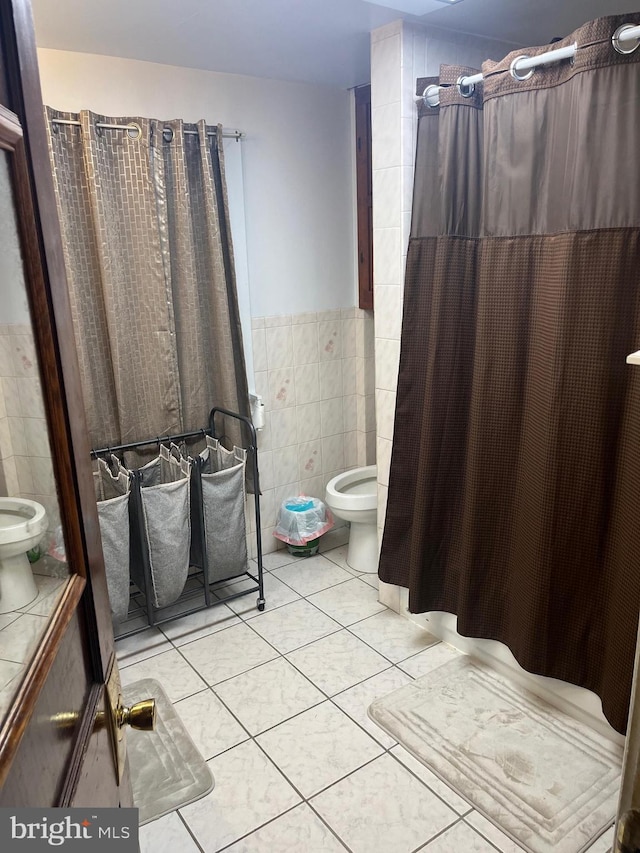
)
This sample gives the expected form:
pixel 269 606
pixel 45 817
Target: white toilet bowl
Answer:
pixel 353 496
pixel 22 525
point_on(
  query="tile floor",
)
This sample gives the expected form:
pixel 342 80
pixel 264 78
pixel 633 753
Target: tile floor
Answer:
pixel 276 702
pixel 22 630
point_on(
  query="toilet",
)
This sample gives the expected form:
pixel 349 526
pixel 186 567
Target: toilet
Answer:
pixel 353 497
pixel 22 526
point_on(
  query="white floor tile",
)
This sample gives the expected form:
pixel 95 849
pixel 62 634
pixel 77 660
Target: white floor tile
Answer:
pixel 211 727
pixel 382 808
pixel 349 602
pixel 277 558
pixel 318 747
pixel 451 797
pixel 428 660
pixel 138 647
pixel 168 834
pixel 312 575
pixel 393 636
pixel 227 653
pixel 200 624
pixel 339 557
pixel 275 593
pixel 297 831
pixel 268 695
pixel 371 579
pixel 337 662
pixel 172 671
pixel 294 625
pixel 356 700
pixel 492 833
pixel 18 640
pixel 249 791
pixel 459 838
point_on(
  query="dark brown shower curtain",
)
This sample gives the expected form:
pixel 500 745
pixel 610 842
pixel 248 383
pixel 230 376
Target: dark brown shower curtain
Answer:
pixel 151 277
pixel 516 459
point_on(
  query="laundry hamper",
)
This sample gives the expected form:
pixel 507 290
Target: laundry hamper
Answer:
pixel 112 496
pixel 219 504
pixel 161 526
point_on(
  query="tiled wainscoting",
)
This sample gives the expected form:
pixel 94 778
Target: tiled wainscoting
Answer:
pixel 315 374
pixel 25 455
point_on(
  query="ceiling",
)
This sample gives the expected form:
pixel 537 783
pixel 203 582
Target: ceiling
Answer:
pixel 313 41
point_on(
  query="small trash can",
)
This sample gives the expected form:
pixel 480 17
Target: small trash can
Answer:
pixel 301 522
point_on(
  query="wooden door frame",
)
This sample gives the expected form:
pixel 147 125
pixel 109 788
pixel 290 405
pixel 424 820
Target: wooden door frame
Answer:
pixel 85 596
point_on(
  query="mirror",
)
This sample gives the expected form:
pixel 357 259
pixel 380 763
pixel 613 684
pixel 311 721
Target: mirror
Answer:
pixel 33 569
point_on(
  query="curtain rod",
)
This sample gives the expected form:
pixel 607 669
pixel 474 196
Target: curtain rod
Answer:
pixel 228 134
pixel 625 40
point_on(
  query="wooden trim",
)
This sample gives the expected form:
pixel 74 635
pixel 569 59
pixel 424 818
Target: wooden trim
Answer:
pixel 83 735
pixel 19 715
pixel 364 195
pixel 10 129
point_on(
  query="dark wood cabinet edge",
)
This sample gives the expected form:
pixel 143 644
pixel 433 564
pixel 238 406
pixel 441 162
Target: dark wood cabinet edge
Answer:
pixel 19 715
pixel 362 102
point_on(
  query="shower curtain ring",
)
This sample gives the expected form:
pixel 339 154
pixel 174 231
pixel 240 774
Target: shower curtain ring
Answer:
pixel 465 89
pixel 513 69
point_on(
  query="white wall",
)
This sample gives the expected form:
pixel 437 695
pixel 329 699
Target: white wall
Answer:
pixel 297 160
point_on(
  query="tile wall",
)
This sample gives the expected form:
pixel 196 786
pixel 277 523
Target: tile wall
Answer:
pixel 315 374
pixel 400 53
pixel 25 456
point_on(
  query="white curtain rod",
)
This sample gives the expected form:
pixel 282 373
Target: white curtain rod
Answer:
pixel 625 40
pixel 228 134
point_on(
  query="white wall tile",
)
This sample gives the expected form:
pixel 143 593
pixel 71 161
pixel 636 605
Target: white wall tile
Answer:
pixel 285 466
pixel 329 340
pixel 332 416
pixel 348 376
pixel 333 453
pixel 279 347
pixel 351 449
pixel 387 361
pixel 349 325
pixel 385 69
pixel 350 412
pixel 310 459
pixel 282 388
pixel 385 413
pixel 386 136
pixel 383 457
pixel 259 345
pixel 277 320
pixel 284 429
pixel 388 315
pixel 387 261
pixel 308 419
pixel 307 383
pixel 305 343
pixel 387 196
pixel 330 373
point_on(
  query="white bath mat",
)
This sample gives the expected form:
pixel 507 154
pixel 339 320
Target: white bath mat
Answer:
pixel 549 782
pixel 167 771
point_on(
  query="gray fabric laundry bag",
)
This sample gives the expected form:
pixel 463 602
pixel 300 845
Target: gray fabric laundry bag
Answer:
pixel 164 507
pixel 223 508
pixel 112 496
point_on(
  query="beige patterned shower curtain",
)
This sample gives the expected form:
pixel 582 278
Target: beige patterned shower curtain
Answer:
pixel 149 261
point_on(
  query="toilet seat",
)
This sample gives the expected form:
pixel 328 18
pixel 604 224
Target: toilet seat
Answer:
pixel 354 490
pixel 20 519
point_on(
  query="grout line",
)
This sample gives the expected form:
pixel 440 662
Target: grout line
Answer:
pixel 425 844
pixel 188 828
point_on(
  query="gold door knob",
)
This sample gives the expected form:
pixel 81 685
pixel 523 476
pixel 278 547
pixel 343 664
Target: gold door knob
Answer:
pixel 140 716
